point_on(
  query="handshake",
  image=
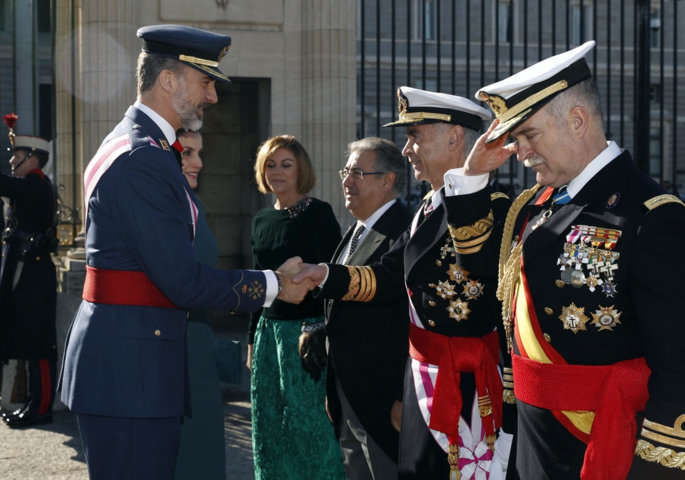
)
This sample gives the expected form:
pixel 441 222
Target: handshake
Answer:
pixel 298 278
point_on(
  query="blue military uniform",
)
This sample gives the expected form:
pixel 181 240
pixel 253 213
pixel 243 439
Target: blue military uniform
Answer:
pixel 124 363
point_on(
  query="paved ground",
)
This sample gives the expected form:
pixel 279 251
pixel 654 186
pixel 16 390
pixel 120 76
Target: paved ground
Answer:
pixel 53 452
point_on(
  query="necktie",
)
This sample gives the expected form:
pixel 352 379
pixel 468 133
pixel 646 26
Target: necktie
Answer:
pixel 355 239
pixel 561 197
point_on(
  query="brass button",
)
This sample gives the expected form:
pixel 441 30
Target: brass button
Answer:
pixel 158 333
pixel 188 315
pixel 431 303
pixel 559 283
pixel 37 259
pixel 431 323
pixel 438 263
pixel 548 339
pixel 549 311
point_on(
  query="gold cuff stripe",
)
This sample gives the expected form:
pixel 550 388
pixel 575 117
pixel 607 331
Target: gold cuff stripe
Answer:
pixel 532 100
pixel 365 285
pixel 508 376
pixel 496 195
pixel 468 251
pixel 508 370
pixel 508 384
pixel 661 455
pixel 362 286
pixel 419 116
pixel 660 200
pixel 200 61
pixel 469 232
pixel 670 441
pixel 372 284
pixel 353 287
pixel 676 430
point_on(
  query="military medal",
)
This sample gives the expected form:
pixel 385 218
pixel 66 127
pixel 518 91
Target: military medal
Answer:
pixel 573 318
pixel 459 309
pixel 444 289
pixel 457 274
pixel 606 318
pixel 588 259
pixel 473 289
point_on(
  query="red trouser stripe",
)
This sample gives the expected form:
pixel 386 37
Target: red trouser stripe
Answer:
pixel 45 386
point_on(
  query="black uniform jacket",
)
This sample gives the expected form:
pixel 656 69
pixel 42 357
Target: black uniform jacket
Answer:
pixel 368 343
pixel 449 266
pixel 638 315
pixel 27 275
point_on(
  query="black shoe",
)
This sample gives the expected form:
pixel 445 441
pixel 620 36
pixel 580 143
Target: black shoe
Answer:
pixel 6 414
pixel 28 418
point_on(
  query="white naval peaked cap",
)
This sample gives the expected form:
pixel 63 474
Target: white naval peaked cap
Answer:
pixel 417 106
pixel 516 98
pixel 31 143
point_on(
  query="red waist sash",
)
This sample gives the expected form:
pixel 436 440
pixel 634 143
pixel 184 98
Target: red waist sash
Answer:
pixel 614 392
pixel 453 355
pixel 122 287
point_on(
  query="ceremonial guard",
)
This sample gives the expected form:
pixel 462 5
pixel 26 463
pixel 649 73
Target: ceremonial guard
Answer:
pixel 123 373
pixel 447 264
pixel 27 275
pixel 591 272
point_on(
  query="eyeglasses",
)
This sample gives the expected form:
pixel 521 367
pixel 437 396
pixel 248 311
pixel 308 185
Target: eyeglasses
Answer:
pixel 356 173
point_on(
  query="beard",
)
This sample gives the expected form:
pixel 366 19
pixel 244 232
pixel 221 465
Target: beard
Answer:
pixel 189 114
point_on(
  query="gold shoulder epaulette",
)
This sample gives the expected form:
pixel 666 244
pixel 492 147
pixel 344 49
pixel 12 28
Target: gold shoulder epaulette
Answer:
pixel 660 200
pixel 497 195
pixel 672 436
pixel 470 238
pixel 362 286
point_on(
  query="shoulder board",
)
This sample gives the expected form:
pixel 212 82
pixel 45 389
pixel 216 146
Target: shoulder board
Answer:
pixel 497 195
pixel 660 200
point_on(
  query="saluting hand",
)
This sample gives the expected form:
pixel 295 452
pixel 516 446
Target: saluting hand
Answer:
pixel 486 157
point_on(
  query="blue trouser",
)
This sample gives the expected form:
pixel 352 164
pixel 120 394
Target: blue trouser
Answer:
pixel 129 448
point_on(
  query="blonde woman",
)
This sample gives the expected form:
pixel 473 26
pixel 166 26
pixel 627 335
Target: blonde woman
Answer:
pixel 291 435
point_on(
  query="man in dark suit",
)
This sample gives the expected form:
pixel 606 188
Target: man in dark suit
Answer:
pixel 447 264
pixel 27 277
pixel 367 344
pixel 592 284
pixel 124 363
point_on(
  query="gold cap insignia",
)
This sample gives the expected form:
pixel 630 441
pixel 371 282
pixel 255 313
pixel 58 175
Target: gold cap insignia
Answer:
pixel 223 52
pixel 402 102
pixel 496 103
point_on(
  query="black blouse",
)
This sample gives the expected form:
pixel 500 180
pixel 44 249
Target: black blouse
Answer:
pixel 308 230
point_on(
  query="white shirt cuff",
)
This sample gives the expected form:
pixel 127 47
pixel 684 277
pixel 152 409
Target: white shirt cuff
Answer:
pixel 456 183
pixel 271 288
pixel 325 276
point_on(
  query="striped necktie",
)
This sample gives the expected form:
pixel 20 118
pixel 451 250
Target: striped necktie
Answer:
pixel 561 197
pixel 354 242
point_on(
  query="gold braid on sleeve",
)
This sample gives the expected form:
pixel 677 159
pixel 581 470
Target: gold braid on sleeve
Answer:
pixel 661 455
pixel 471 238
pixel 508 384
pixel 510 260
pixel 362 286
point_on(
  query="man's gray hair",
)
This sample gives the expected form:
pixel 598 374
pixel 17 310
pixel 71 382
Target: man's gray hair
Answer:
pixel 388 158
pixel 470 139
pixel 150 66
pixel 583 94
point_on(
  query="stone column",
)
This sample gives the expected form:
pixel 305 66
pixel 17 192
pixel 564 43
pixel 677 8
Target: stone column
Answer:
pixel 26 70
pixel 328 91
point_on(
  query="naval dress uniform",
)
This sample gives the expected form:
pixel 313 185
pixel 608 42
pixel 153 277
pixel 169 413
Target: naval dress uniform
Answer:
pixel 447 264
pixel 590 277
pixel 28 285
pixel 124 365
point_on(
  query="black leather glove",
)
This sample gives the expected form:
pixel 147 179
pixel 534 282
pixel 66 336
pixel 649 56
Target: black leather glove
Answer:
pixel 312 349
